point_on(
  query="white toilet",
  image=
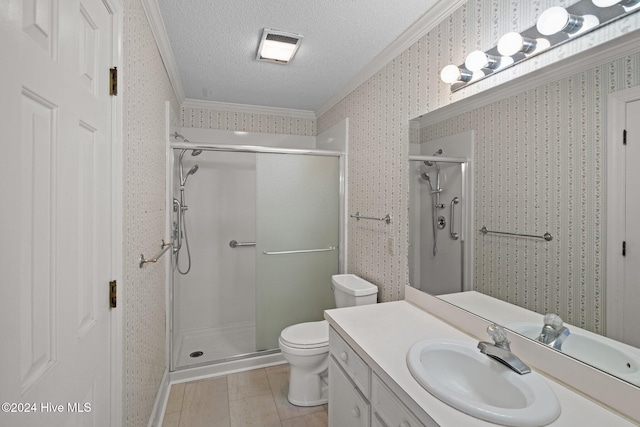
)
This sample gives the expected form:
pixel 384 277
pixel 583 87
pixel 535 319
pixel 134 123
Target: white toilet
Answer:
pixel 306 345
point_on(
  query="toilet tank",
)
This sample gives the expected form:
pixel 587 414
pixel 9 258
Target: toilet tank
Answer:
pixel 350 290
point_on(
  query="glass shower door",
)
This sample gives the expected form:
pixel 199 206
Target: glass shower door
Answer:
pixel 297 235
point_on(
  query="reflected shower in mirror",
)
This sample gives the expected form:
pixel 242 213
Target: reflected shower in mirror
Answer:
pixel 439 214
pixel 539 166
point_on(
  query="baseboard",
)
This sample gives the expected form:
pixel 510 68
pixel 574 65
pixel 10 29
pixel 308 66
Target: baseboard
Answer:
pixel 157 414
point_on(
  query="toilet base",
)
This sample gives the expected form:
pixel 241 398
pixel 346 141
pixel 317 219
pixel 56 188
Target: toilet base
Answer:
pixel 308 389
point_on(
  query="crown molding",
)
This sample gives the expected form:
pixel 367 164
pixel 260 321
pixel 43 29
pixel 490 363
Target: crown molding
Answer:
pixel 417 30
pixel 248 109
pixel 156 22
pixel 606 52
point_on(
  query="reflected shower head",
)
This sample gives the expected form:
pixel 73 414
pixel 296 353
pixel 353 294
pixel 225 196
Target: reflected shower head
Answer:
pixel 196 152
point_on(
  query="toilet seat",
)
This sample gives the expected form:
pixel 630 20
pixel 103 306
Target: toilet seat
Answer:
pixel 306 335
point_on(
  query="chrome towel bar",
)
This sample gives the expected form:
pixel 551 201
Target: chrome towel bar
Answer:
pixel 302 251
pixel 546 236
pixel 235 243
pixel 164 247
pixel 386 218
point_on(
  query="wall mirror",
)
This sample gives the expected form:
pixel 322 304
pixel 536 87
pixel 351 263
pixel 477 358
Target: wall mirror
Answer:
pixel 527 157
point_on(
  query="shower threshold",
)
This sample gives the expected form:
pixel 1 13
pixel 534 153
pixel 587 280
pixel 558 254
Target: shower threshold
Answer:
pixel 230 359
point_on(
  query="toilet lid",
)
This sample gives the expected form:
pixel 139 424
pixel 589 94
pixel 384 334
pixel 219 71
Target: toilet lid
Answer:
pixel 306 335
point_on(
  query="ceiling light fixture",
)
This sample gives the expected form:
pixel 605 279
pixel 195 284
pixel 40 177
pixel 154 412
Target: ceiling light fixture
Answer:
pixel 278 46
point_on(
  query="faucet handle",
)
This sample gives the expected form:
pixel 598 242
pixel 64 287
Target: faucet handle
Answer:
pixel 498 335
pixel 553 320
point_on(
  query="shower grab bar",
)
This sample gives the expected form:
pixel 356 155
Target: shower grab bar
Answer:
pixel 386 218
pixel 164 247
pixel 235 243
pixel 546 236
pixel 454 202
pixel 302 251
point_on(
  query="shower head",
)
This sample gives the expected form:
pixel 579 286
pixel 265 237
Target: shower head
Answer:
pixel 193 170
pixel 425 176
pixel 196 152
pixel 176 135
pixel 429 162
pixel 183 180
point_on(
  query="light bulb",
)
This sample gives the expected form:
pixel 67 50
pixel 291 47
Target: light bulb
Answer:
pixel 512 43
pixel 626 4
pixel 556 19
pixel 477 60
pixel 450 74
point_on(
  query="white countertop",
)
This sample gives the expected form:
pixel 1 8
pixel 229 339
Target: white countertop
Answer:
pixel 383 333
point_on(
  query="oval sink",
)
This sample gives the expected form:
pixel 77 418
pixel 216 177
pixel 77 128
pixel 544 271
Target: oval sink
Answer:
pixel 596 352
pixel 457 373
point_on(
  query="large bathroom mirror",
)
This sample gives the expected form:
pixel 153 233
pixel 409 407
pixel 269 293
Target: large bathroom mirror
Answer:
pixel 539 168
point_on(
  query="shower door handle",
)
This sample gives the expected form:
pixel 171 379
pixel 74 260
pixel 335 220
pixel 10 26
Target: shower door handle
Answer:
pixel 454 202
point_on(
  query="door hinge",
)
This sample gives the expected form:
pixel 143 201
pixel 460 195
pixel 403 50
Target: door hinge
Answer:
pixel 624 248
pixel 113 81
pixel 112 293
pixel 624 137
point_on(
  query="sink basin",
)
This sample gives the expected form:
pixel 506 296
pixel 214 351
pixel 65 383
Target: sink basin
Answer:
pixel 457 373
pixel 596 352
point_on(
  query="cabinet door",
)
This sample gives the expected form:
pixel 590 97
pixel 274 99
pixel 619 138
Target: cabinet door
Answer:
pixel 388 410
pixel 347 407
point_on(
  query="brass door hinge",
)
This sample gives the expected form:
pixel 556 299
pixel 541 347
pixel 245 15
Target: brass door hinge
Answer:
pixel 113 81
pixel 112 294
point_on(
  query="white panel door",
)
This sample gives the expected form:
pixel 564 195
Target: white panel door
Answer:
pixel 631 316
pixel 56 216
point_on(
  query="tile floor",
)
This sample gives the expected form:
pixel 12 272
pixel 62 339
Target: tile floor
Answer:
pixel 252 398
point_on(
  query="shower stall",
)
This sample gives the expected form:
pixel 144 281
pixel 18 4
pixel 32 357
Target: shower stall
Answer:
pixel 256 234
pixel 440 204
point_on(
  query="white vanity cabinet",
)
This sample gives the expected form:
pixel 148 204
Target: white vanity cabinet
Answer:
pixel 357 396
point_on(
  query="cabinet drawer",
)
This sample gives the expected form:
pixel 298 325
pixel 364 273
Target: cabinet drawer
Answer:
pixel 347 406
pixel 387 410
pixel 357 370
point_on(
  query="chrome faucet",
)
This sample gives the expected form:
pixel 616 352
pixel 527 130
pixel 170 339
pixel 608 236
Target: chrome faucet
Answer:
pixel 553 333
pixel 501 351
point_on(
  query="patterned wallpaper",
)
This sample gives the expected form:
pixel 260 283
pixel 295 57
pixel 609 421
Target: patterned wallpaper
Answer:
pixel 408 86
pixel 211 118
pixel 146 88
pixel 540 167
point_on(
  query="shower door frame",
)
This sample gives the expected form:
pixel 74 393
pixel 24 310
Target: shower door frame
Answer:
pixel 466 235
pixel 253 149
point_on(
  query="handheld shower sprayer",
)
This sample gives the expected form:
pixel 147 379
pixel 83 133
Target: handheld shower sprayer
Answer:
pixel 180 207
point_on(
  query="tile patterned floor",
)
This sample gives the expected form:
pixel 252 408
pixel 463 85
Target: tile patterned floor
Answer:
pixel 252 398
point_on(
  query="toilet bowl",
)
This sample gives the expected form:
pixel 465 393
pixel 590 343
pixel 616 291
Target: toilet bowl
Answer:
pixel 306 345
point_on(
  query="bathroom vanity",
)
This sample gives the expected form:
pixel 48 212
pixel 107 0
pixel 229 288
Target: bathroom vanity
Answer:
pixel 371 385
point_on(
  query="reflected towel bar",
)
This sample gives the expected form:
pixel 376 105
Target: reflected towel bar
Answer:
pixel 546 236
pixel 235 243
pixel 386 218
pixel 302 251
pixel 164 247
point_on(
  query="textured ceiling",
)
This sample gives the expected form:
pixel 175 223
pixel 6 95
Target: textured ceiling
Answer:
pixel 214 44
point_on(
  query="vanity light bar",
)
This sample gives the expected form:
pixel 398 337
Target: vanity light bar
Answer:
pixel 555 26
